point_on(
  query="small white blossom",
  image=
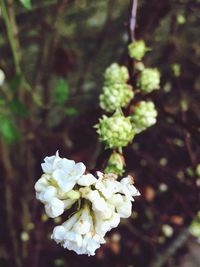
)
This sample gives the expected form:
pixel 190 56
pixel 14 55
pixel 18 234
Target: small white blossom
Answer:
pixel 86 180
pixel 84 223
pixel 47 194
pixel 58 233
pixel 78 234
pixel 103 226
pixel 98 202
pixel 54 208
pixel 108 187
pixel 67 177
pixel 125 208
pixel 128 188
pixel 63 171
pixel 42 183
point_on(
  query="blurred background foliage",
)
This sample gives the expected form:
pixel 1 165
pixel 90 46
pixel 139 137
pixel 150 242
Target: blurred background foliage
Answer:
pixel 53 54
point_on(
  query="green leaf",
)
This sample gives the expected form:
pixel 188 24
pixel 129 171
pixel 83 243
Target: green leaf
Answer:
pixel 8 130
pixel 61 92
pixel 26 4
pixel 71 111
pixel 2 101
pixel 15 82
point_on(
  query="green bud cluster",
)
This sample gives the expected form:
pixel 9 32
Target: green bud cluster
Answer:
pixel 149 80
pixel 144 116
pixel 115 164
pixel 116 74
pixel 137 49
pixel 115 96
pixel 116 92
pixel 115 131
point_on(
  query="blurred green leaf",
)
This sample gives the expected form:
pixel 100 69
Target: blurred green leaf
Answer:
pixel 2 102
pixel 61 92
pixel 26 4
pixel 71 111
pixel 8 130
pixel 18 108
pixel 15 82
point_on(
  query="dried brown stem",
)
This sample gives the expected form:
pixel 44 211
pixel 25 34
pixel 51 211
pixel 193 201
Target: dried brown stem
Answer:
pixel 133 19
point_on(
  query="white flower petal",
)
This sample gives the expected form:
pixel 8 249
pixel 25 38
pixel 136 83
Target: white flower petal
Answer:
pixel 46 195
pixel 47 166
pixel 41 184
pixel 125 209
pixel 71 221
pixel 98 203
pixel 68 203
pixel 86 180
pixel 84 224
pixel 78 170
pixel 58 233
pixel 54 208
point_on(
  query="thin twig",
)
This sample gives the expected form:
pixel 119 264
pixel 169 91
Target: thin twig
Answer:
pixel 5 157
pixel 177 243
pixel 11 28
pixel 132 25
pixel 133 19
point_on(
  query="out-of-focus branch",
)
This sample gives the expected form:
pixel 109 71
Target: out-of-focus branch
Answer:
pixel 177 243
pixel 47 50
pixel 132 25
pixel 5 158
pixel 9 19
pixel 98 44
pixel 133 19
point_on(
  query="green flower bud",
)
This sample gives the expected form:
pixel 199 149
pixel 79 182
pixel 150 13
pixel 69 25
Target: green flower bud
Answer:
pixel 115 164
pixel 181 19
pixel 115 96
pixel 116 74
pixel 198 170
pixel 195 226
pixel 149 80
pixel 144 116
pixel 139 66
pixel 176 68
pixel 115 131
pixel 137 49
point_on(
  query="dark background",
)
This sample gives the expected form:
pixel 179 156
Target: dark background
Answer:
pixel 49 101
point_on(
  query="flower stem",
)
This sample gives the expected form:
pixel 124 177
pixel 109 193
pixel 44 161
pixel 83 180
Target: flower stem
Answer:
pixel 11 36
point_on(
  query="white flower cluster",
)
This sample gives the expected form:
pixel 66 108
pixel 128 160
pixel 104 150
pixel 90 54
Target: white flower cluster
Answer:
pixel 100 202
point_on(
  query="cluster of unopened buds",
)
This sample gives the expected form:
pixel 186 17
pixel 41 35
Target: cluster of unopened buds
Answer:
pixel 116 92
pixel 148 78
pixel 144 115
pixel 96 203
pixel 117 131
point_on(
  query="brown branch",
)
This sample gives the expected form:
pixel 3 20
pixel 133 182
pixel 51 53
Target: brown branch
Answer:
pixel 133 19
pixel 177 243
pixel 9 202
